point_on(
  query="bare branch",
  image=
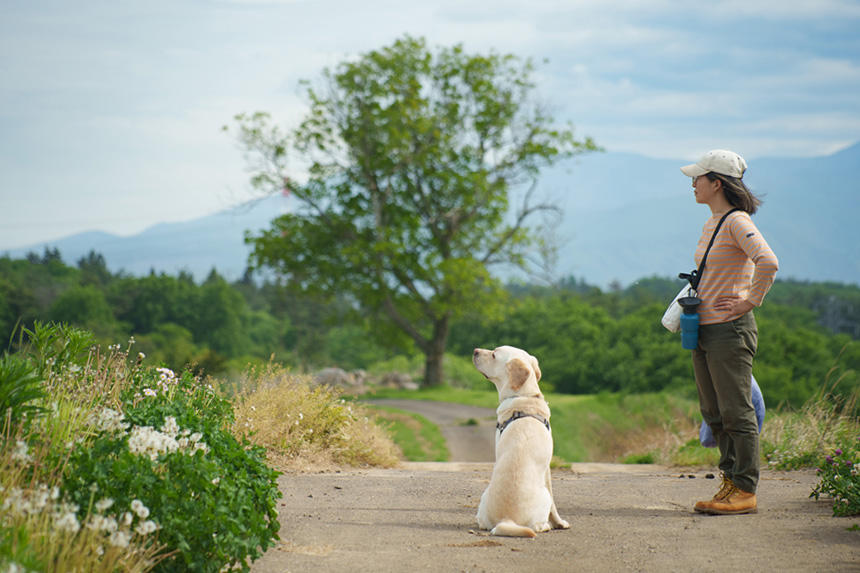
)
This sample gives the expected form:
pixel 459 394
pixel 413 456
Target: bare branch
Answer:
pixel 525 212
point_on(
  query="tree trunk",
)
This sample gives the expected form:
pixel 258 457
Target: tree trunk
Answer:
pixel 433 372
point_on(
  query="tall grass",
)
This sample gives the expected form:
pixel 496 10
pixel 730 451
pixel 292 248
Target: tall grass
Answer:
pixel 802 438
pixel 304 426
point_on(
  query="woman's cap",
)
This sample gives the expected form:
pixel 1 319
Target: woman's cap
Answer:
pixel 719 161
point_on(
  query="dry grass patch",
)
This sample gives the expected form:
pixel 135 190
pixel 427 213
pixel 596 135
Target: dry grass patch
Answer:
pixel 795 439
pixel 306 427
pixel 652 443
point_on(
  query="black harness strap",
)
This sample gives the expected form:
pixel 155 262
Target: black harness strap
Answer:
pixel 500 426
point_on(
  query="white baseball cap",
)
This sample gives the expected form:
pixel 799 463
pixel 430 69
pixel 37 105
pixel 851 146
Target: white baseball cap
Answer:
pixel 719 161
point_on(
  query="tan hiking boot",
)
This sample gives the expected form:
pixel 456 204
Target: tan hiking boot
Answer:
pixel 725 488
pixel 736 502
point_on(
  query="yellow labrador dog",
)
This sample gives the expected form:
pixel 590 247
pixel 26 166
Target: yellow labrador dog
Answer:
pixel 518 502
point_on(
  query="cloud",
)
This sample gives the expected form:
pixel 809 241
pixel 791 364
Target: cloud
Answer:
pixel 118 106
pixel 801 10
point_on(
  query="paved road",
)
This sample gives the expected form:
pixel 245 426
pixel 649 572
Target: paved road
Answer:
pixel 421 517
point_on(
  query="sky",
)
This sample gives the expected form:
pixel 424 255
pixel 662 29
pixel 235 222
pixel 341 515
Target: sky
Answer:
pixel 111 112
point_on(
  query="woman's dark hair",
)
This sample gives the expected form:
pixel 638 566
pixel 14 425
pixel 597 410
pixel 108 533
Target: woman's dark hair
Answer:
pixel 737 193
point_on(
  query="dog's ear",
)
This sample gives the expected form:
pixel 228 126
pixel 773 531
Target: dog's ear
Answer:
pixel 535 367
pixel 518 373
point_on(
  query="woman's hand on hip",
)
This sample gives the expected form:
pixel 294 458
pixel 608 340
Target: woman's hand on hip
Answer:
pixel 735 305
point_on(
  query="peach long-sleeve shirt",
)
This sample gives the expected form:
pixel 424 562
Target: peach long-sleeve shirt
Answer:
pixel 740 263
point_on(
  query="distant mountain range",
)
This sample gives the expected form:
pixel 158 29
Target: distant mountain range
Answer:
pixel 625 217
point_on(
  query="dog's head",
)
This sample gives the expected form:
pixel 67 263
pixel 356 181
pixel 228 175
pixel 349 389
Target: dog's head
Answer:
pixel 513 371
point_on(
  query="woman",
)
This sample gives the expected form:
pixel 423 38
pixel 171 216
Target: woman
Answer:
pixel 738 272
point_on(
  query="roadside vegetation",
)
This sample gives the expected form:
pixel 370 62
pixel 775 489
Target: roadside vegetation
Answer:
pixel 107 464
pixel 306 426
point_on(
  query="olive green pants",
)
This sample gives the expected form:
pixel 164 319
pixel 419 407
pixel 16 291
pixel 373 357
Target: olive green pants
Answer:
pixel 723 367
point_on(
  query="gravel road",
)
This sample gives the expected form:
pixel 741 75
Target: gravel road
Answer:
pixel 421 517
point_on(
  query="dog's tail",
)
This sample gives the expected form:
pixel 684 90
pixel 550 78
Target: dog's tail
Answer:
pixel 507 528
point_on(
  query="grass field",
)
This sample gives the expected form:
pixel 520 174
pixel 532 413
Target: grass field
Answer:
pixel 418 438
pixel 636 428
pixel 664 428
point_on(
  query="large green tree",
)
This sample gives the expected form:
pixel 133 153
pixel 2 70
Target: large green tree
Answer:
pixel 421 170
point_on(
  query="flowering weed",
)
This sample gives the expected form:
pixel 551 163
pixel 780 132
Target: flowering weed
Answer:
pixel 170 458
pixel 41 531
pixel 126 468
pixel 840 480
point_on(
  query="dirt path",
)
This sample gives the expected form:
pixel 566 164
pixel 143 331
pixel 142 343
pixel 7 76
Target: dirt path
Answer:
pixel 468 430
pixel 421 517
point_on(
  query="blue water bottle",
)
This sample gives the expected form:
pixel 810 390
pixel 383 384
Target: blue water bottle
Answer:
pixel 690 321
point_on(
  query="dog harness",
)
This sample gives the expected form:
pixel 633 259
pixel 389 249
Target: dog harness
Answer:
pixel 500 426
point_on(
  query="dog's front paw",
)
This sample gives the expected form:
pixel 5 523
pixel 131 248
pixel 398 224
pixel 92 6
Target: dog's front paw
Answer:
pixel 562 524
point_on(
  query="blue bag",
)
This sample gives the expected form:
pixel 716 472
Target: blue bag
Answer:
pixel 706 437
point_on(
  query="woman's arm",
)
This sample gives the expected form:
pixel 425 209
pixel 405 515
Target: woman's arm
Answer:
pixel 753 244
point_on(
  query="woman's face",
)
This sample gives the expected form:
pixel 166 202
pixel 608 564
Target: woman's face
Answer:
pixel 705 189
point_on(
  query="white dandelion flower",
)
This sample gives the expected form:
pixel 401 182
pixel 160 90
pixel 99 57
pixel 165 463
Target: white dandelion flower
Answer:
pixel 141 510
pixel 20 453
pixel 170 427
pixel 119 539
pixel 67 521
pixel 146 527
pixel 103 504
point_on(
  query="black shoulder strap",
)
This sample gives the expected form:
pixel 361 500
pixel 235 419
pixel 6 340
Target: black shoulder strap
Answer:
pixel 696 275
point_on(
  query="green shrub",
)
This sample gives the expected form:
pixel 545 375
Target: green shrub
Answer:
pixel 400 363
pixel 20 388
pixel 647 458
pixel 56 346
pixel 170 459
